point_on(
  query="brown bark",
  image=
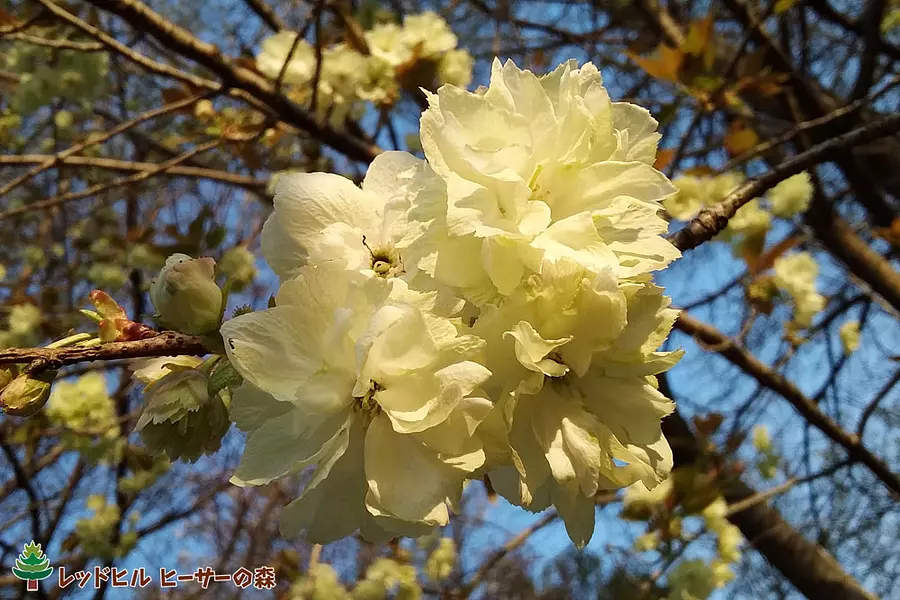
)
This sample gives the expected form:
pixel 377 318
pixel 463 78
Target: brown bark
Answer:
pixel 809 410
pixel 808 566
pixel 853 251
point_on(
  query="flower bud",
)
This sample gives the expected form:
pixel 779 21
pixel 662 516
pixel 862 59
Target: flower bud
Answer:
pixel 180 418
pixel 6 376
pixel 186 296
pixel 26 394
pixel 205 111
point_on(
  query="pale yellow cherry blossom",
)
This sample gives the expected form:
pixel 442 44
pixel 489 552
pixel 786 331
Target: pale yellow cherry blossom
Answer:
pixel 427 35
pixel 849 333
pixel 577 406
pixel 274 54
pixel 538 169
pixel 750 219
pixel 792 196
pixel 347 372
pixel 321 217
pixel 796 275
pixel 455 68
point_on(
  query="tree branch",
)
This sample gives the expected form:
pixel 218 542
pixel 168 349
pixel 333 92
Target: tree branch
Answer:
pixel 808 566
pixel 712 220
pixel 244 181
pixel 167 343
pixel 142 18
pixel 710 336
pixel 267 14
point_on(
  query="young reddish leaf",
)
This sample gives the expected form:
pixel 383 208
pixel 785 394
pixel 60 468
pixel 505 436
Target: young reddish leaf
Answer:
pixel 699 36
pixel 740 138
pixel 707 425
pixel 664 64
pixel 664 158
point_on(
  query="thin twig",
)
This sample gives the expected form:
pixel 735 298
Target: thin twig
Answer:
pixel 752 366
pixel 116 183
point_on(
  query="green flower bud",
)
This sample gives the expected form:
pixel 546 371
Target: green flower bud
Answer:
pixel 26 394
pixel 186 296
pixel 180 418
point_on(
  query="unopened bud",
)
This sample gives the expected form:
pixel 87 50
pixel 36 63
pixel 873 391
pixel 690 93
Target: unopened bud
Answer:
pixel 6 376
pixel 25 395
pixel 186 296
pixel 204 110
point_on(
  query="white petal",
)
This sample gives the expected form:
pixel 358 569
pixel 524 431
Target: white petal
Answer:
pixel 286 444
pixel 284 254
pixel 251 407
pixel 577 239
pixel 389 172
pixel 419 401
pixel 332 506
pixel 532 350
pixel 415 490
pixel 276 349
pixel 503 264
pixel 307 203
pixel 397 342
pixel 456 434
pixel 597 186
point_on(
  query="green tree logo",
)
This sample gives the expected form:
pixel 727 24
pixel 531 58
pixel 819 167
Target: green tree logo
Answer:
pixel 32 566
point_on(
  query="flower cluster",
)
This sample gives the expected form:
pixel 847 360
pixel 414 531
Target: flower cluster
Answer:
pixel 769 460
pixel 385 578
pixel 96 534
pixel 687 494
pixel 389 59
pixel 84 409
pixel 789 198
pixel 23 327
pixel 796 274
pixel 488 311
pixel 181 416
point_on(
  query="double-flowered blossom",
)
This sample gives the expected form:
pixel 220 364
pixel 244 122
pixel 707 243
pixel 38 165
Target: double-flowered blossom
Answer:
pixel 538 169
pixel 420 52
pixel 791 196
pixel 488 311
pixel 356 374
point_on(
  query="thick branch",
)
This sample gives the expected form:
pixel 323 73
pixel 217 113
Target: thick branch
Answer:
pixel 710 336
pixel 853 251
pixel 167 343
pixel 808 566
pixel 712 220
pixel 178 39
